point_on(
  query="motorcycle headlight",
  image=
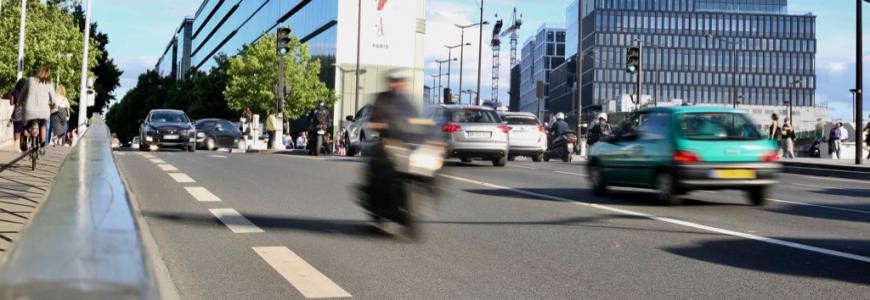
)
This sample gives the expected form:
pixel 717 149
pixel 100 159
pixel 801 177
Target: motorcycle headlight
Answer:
pixel 426 159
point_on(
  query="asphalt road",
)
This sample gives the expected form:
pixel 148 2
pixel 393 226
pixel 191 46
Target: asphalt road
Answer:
pixel 526 231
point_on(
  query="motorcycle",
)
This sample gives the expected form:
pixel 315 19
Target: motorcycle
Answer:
pixel 401 182
pixel 316 147
pixel 561 147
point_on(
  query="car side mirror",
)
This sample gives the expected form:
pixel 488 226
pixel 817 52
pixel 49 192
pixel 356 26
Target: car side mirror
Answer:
pixel 348 118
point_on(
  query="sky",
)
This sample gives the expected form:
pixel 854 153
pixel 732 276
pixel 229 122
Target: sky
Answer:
pixel 140 30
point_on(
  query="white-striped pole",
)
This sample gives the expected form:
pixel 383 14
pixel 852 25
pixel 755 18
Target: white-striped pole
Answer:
pixel 83 91
pixel 21 39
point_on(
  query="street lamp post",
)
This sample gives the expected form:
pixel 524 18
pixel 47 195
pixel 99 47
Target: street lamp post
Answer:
pixel 859 84
pixel 479 52
pixel 22 25
pixel 450 62
pixel 734 48
pixel 358 50
pixel 462 50
pixel 440 73
pixel 83 96
pixel 793 85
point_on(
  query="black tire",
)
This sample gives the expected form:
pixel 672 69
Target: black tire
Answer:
pixel 511 158
pixel 758 196
pixel 318 145
pixel 538 157
pixel 567 158
pixel 209 144
pixel 465 160
pixel 596 180
pixel 351 151
pixel 546 157
pixel 191 148
pixel 500 162
pixel 668 191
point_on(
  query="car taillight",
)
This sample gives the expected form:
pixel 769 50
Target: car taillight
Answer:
pixel 686 157
pixel 450 128
pixel 504 128
pixel 541 128
pixel 771 156
pixel 571 139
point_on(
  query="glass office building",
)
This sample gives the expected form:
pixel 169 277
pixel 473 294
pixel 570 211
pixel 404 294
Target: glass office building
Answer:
pixel 540 54
pixel 689 52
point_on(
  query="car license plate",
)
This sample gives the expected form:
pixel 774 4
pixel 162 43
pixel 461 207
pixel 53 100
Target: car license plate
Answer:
pixel 170 137
pixel 733 174
pixel 479 134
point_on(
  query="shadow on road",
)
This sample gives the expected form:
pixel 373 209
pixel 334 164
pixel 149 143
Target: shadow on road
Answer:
pixel 762 257
pixel 844 192
pixel 615 197
pixel 597 221
pixel 830 214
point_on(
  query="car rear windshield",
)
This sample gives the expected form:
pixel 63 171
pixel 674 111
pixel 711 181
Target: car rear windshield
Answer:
pixel 520 120
pixel 169 117
pixel 472 116
pixel 717 126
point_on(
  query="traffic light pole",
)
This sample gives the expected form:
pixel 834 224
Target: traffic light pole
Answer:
pixel 639 75
pixel 859 87
pixel 83 95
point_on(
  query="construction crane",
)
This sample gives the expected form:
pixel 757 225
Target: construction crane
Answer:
pixel 496 58
pixel 516 23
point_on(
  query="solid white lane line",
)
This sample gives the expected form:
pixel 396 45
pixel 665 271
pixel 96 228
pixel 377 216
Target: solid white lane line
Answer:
pixel 822 206
pixel 523 167
pixel 201 194
pixel 865 182
pixel 157 161
pixel 569 173
pixel 218 156
pixel 181 178
pixel 234 220
pixel 676 222
pixel 167 167
pixel 304 277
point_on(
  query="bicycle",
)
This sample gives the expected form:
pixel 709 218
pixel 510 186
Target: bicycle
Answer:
pixel 34 144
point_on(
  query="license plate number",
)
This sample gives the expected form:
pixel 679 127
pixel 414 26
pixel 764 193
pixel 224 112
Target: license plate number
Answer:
pixel 733 174
pixel 479 134
pixel 170 137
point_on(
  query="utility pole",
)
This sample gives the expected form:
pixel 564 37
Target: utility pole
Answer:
pixel 358 47
pixel 859 86
pixel 579 75
pixel 83 96
pixel 480 52
pixel 282 45
pixel 450 60
pixel 21 38
pixel 639 75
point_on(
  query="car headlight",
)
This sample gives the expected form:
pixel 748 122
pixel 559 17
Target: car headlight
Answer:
pixel 149 138
pixel 200 134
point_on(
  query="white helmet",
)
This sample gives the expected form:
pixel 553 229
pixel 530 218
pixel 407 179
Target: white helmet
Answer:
pixel 602 116
pixel 560 116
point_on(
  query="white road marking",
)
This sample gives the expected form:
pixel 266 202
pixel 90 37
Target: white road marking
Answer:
pixel 569 173
pixel 167 167
pixel 181 178
pixel 523 167
pixel 201 194
pixel 146 155
pixel 822 206
pixel 866 182
pixel 676 222
pixel 218 156
pixel 304 277
pixel 157 161
pixel 234 220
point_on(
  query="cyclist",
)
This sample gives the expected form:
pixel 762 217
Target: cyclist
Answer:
pixel 37 98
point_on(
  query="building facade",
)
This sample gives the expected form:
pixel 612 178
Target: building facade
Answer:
pixel 540 54
pixel 696 51
pixel 223 27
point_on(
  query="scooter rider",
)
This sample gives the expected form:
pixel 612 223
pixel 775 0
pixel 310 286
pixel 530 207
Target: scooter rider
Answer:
pixel 599 130
pixel 318 116
pixel 559 127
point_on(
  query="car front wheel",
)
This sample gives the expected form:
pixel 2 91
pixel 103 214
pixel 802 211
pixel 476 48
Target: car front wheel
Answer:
pixel 209 144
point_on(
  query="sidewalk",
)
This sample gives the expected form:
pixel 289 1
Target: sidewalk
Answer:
pixel 842 168
pixel 22 191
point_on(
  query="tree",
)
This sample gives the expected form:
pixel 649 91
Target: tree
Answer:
pixel 52 38
pixel 253 71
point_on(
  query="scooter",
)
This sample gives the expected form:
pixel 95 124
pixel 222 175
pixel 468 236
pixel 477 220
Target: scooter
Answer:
pixel 317 146
pixel 561 147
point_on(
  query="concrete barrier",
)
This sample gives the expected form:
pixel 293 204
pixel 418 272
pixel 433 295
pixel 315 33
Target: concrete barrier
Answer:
pixel 83 243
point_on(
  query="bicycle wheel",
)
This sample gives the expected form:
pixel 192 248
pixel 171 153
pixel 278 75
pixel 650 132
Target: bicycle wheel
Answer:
pixel 34 152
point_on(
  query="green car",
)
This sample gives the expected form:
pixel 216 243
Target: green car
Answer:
pixel 679 149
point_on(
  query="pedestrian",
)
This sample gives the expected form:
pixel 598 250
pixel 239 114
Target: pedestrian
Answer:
pixel 60 117
pixel 834 141
pixel 866 131
pixel 341 148
pixel 245 124
pixel 788 137
pixel 15 120
pixel 270 128
pixel 301 141
pixel 775 132
pixel 844 133
pixel 37 97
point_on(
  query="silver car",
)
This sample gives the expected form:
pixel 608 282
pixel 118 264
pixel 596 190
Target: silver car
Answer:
pixel 473 132
pixel 358 135
pixel 527 136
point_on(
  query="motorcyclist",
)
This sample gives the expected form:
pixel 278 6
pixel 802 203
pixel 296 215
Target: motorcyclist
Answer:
pixel 599 130
pixel 559 127
pixel 319 116
pixel 391 113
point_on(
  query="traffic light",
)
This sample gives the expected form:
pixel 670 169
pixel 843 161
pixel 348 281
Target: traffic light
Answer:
pixel 283 40
pixel 632 64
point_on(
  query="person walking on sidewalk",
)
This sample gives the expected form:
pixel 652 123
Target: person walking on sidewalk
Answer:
pixel 38 95
pixel 834 141
pixel 788 138
pixel 775 132
pixel 60 117
pixel 271 128
pixel 15 120
pixel 245 124
pixel 866 132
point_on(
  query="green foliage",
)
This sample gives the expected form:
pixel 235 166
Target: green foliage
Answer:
pixel 50 34
pixel 252 73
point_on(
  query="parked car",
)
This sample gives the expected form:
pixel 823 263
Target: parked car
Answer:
pixel 212 134
pixel 527 136
pixel 473 132
pixel 357 134
pixel 680 149
pixel 167 128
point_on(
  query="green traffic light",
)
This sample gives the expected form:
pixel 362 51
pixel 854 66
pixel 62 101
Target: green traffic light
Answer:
pixel 283 51
pixel 631 69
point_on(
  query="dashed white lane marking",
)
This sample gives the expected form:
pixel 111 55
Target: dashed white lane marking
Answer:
pixel 676 222
pixel 523 167
pixel 181 178
pixel 822 206
pixel 201 194
pixel 570 173
pixel 167 167
pixel 304 277
pixel 217 156
pixel 234 220
pixel 157 161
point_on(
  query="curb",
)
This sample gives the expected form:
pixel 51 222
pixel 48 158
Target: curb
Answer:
pixel 838 171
